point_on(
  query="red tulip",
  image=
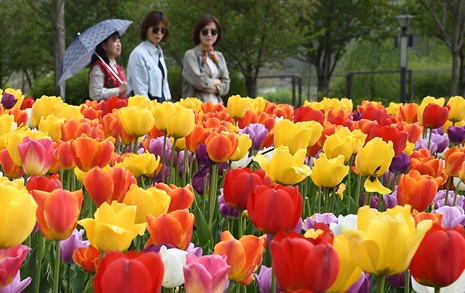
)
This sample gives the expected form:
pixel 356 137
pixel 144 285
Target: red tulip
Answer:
pixel 43 183
pixel 435 116
pixel 113 103
pixel 306 113
pixel 439 260
pixel 130 272
pixel 390 133
pixel 57 212
pixel 108 185
pixel 417 190
pixel 300 264
pixel 283 202
pixel 238 184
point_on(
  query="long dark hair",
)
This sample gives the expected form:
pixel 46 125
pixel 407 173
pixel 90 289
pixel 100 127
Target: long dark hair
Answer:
pixel 203 23
pixel 153 19
pixel 99 50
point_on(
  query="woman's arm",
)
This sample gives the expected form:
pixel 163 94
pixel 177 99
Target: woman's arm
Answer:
pixel 191 72
pixel 138 75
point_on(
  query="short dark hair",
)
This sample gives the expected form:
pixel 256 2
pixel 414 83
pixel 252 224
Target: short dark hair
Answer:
pixel 153 19
pixel 203 23
pixel 99 49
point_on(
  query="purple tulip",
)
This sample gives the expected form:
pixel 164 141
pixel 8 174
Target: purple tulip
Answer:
pixel 390 200
pixel 200 179
pixel 264 280
pixel 17 285
pixel 452 216
pixel 8 101
pixel 156 248
pixel 197 251
pixel 400 163
pixel 226 210
pixel 202 156
pixel 397 280
pixel 456 134
pixel 440 198
pixel 68 246
pixel 257 133
pixel 326 218
pixel 356 115
pixel 362 285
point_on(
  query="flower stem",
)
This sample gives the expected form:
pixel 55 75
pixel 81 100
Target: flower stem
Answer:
pixel 273 281
pixel 212 193
pixel 380 284
pixel 358 191
pixel 56 270
pixel 40 252
pixel 163 159
pixel 437 289
pixel 407 281
pixel 449 180
pixel 68 275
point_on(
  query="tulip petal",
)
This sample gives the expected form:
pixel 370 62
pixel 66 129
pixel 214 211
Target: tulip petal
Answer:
pixel 372 184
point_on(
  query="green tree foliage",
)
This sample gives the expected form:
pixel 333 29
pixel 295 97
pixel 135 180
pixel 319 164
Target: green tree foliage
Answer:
pixel 327 27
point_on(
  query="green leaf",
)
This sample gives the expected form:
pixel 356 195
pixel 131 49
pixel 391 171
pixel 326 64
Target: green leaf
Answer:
pixel 204 234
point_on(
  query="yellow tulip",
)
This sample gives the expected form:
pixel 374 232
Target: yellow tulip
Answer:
pixel 341 142
pixel 150 201
pixel 51 125
pixel 180 122
pixel 349 272
pixel 372 161
pixel 360 138
pixel 17 213
pixel 113 227
pixel 314 105
pixel 6 123
pixel 136 121
pixel 161 113
pixel 258 104
pixel 329 172
pixel 70 112
pixel 192 103
pixel 237 106
pixel 283 167
pixel 245 143
pixel 385 242
pixel 425 102
pixel 180 144
pixel 140 102
pixel 457 108
pixel 140 164
pixel 393 108
pixel 344 103
pixel 298 135
pixel 45 106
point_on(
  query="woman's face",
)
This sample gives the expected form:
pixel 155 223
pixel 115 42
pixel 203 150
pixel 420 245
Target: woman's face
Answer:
pixel 208 35
pixel 156 33
pixel 113 47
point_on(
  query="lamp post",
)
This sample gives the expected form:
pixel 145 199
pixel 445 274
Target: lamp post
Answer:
pixel 403 21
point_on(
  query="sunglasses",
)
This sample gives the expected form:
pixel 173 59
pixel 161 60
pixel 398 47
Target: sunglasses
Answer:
pixel 205 32
pixel 156 30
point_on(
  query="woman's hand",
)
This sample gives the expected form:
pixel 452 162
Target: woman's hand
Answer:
pixel 123 88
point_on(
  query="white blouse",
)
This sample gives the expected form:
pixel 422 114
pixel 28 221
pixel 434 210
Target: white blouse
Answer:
pixel 97 80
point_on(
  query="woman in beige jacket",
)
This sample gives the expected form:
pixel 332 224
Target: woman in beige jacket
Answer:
pixel 205 73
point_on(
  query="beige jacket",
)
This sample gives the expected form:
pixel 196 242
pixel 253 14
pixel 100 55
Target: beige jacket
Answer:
pixel 198 76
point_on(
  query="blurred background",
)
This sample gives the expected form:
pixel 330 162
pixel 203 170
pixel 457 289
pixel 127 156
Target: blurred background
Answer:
pixel 286 51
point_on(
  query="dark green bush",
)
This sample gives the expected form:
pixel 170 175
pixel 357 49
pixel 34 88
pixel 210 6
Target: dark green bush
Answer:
pixel 435 84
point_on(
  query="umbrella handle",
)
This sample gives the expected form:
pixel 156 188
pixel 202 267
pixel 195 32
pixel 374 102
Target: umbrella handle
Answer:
pixel 110 68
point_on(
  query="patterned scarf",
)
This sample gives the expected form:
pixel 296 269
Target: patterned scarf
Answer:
pixel 206 53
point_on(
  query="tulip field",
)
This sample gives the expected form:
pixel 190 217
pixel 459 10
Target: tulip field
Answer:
pixel 131 195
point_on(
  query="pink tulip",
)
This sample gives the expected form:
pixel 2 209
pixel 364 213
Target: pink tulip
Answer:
pixel 36 155
pixel 11 260
pixel 206 274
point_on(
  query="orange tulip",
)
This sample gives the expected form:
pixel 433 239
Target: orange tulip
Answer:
pixel 9 168
pixel 87 258
pixel 436 218
pixel 454 158
pixel 409 112
pixel 417 190
pixel 221 146
pixel 283 110
pixel 197 137
pixel 174 228
pixel 57 212
pixel 108 185
pixel 244 255
pixel 181 197
pixel 427 166
pixel 88 152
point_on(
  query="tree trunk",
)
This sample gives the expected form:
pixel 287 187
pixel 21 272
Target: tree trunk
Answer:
pixel 251 85
pixel 455 73
pixel 461 85
pixel 58 40
pixel 322 85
